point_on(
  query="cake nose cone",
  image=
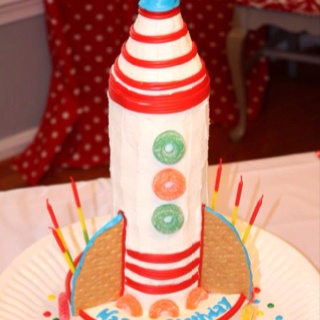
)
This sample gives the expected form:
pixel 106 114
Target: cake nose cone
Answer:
pixel 159 5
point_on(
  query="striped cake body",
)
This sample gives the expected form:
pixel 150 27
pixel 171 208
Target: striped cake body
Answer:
pixel 158 127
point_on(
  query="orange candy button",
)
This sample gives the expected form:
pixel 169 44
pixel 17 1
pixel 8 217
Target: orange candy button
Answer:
pixel 169 184
pixel 130 304
pixel 165 308
pixel 195 296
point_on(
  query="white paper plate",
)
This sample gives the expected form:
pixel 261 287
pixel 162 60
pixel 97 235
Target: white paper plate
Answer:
pixel 289 283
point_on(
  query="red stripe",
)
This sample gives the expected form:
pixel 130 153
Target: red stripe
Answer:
pixel 231 312
pixel 163 274
pixel 160 104
pixel 158 38
pixel 85 316
pixel 159 63
pixel 69 277
pixel 159 85
pixel 163 258
pixel 165 289
pixel 159 15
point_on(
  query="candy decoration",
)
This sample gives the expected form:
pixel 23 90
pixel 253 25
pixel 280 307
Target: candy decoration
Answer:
pixel 79 210
pixel 164 306
pixel 63 304
pixel 248 312
pixel 169 184
pixel 47 314
pixel 130 304
pixel 168 218
pixel 51 297
pixel 169 147
pixel 252 219
pixel 65 252
pixel 236 205
pixel 195 297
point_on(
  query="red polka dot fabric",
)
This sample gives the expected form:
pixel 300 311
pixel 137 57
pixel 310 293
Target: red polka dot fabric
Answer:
pixel 297 6
pixel 84 39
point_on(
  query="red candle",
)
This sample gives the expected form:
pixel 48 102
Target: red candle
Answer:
pixel 79 209
pixel 239 191
pixel 52 215
pixel 58 240
pixel 252 219
pixel 255 211
pixel 75 193
pixel 236 205
pixel 218 176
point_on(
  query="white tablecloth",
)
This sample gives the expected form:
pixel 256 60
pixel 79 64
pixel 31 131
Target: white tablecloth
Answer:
pixel 290 185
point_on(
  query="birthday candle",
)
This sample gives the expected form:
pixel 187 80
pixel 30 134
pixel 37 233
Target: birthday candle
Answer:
pixel 55 223
pixel 63 249
pixel 52 215
pixel 79 210
pixel 216 186
pixel 252 219
pixel 236 205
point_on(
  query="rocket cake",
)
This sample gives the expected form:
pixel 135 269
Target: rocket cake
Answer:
pixel 165 252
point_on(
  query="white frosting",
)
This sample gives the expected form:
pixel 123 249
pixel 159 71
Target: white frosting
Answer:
pixel 161 92
pixel 177 72
pixel 166 266
pixel 134 166
pixel 154 27
pixel 160 51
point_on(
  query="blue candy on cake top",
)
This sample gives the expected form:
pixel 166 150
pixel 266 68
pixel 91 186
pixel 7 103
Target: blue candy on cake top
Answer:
pixel 159 5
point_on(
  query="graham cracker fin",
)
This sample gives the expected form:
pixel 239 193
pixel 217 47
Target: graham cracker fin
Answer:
pixel 99 274
pixel 225 264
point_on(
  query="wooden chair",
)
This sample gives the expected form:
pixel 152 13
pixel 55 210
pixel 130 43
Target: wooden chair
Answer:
pixel 293 16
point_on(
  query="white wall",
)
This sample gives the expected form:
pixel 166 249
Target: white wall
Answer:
pixel 24 77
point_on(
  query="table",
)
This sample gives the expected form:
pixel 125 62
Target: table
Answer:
pixel 290 185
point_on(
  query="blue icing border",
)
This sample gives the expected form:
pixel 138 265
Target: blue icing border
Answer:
pixel 231 226
pixel 159 5
pixel 111 223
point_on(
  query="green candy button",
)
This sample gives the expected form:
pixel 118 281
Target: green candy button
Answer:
pixel 169 147
pixel 168 218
